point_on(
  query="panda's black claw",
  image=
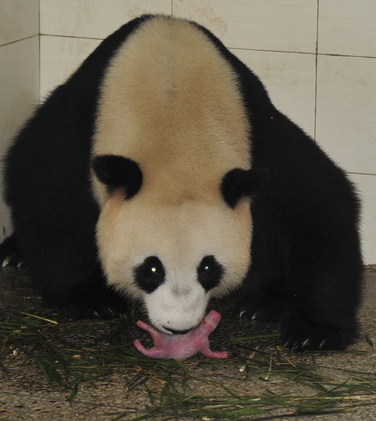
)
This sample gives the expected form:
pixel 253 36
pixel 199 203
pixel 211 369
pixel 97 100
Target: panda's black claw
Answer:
pixel 5 263
pixel 306 342
pixel 295 347
pixel 110 311
pixel 286 344
pixel 242 312
pixel 105 313
pixel 13 261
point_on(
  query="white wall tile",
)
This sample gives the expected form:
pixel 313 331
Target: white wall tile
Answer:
pixel 366 187
pixel 290 81
pixel 60 56
pixel 347 27
pixel 19 76
pixel 94 18
pixel 346 109
pixel 18 19
pixel 19 91
pixel 283 25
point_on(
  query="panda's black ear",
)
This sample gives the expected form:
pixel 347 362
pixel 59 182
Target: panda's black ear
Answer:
pixel 239 183
pixel 118 172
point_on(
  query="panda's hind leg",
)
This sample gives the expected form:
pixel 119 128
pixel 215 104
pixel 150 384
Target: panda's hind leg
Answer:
pixel 93 301
pixel 77 295
pixel 69 278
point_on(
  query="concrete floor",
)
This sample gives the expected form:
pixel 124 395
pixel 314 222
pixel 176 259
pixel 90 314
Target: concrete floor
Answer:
pixel 26 395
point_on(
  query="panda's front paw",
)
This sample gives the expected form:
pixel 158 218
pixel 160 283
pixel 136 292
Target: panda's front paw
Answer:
pixel 299 334
pixel 264 308
pixel 10 256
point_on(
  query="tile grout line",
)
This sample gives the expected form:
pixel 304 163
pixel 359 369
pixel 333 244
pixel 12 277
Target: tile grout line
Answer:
pixel 316 70
pixel 269 51
pixel 344 55
pixel 18 40
pixel 361 173
pixel 39 53
pixel 70 36
pixel 301 52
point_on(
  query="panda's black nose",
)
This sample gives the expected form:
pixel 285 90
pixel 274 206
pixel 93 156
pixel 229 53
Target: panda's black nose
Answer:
pixel 176 332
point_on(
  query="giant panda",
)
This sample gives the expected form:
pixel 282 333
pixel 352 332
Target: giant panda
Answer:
pixel 161 172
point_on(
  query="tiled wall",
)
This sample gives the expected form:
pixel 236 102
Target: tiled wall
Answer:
pixel 19 75
pixel 71 29
pixel 316 57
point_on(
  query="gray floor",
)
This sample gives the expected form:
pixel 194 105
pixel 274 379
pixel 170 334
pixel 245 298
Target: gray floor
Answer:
pixel 26 395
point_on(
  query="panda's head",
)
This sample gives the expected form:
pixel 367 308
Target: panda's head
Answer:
pixel 173 254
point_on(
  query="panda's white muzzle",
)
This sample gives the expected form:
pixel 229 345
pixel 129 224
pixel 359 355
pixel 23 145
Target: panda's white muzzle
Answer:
pixel 173 310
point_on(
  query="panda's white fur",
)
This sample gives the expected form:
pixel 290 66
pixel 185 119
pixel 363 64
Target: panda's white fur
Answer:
pixel 170 102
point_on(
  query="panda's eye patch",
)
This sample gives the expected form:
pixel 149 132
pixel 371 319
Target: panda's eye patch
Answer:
pixel 209 272
pixel 150 274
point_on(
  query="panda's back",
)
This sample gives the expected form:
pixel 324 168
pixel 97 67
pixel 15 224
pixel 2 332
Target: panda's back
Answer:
pixel 171 102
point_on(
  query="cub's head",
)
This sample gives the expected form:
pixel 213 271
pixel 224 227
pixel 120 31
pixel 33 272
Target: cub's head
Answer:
pixel 172 253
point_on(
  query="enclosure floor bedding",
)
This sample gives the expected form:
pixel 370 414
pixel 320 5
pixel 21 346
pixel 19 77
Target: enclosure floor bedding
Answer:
pixel 52 369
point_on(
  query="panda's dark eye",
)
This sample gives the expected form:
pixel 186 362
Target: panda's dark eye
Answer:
pixel 150 274
pixel 209 272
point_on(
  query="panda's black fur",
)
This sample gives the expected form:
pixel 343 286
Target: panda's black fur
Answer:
pixel 306 267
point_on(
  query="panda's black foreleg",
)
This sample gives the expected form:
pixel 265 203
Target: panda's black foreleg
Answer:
pixel 316 304
pixel 322 313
